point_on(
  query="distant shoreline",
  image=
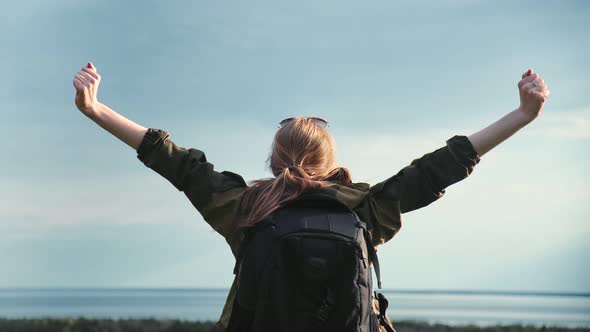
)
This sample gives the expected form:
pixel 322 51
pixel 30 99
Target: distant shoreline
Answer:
pixel 395 291
pixel 423 310
pixel 154 325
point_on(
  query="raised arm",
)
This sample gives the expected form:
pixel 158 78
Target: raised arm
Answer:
pixel 533 94
pixel 86 83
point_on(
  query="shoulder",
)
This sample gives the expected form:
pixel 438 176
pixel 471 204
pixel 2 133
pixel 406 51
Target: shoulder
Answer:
pixel 352 194
pixel 229 180
pixel 383 216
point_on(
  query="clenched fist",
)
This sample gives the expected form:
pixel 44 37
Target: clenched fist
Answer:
pixel 86 84
pixel 533 94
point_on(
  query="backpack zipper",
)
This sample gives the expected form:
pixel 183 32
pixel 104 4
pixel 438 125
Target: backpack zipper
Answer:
pixel 361 256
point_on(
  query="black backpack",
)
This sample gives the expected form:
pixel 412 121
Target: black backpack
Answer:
pixel 306 268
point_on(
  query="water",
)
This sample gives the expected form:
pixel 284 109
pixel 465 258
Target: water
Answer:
pixel 455 308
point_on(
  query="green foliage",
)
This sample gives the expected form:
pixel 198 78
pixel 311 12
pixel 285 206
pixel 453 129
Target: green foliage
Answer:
pixel 418 326
pixel 101 325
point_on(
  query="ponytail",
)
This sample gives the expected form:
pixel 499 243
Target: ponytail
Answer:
pixel 267 195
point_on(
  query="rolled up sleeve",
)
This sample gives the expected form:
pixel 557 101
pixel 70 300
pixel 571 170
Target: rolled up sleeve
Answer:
pixel 215 195
pixel 425 179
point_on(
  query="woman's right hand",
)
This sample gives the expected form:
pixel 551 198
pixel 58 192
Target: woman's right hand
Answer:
pixel 86 84
pixel 533 94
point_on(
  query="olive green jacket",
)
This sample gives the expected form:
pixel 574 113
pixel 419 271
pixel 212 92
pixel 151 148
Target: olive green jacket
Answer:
pixel 216 195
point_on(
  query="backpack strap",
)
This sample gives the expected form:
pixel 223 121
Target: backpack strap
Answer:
pixel 382 316
pixel 248 234
pixel 241 249
pixel 372 253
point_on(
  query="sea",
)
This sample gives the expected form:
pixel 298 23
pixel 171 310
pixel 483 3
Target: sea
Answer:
pixel 482 308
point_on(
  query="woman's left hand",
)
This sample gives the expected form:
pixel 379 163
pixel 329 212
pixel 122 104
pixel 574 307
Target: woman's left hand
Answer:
pixel 533 94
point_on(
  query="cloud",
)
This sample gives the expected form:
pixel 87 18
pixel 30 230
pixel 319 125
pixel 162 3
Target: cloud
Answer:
pixel 111 199
pixel 146 197
pixel 375 157
pixel 573 124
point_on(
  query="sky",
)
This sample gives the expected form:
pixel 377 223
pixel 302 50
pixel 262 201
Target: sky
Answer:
pixel 395 79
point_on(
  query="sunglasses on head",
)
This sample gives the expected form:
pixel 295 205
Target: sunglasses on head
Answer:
pixel 319 121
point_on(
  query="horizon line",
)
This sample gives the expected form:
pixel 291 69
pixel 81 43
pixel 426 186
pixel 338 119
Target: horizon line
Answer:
pixel 400 291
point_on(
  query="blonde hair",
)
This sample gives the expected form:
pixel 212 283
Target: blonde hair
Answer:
pixel 302 157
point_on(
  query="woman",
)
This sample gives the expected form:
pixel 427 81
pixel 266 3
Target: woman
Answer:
pixel 302 160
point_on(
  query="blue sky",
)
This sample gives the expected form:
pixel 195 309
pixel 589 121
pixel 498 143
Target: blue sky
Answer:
pixel 395 79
